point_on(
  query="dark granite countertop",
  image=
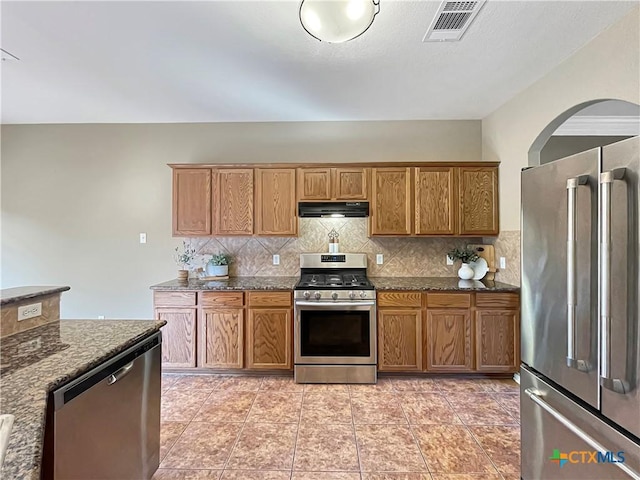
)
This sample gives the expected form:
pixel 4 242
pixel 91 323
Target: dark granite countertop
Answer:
pixel 440 283
pixel 16 294
pixel 234 283
pixel 39 360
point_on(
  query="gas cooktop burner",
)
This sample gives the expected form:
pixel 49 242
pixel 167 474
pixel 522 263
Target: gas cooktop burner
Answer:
pixel 334 280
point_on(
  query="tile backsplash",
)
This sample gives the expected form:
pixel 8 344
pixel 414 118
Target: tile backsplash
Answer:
pixel 403 257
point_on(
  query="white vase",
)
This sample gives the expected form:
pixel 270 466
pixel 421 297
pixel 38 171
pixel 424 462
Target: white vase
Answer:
pixel 466 272
pixel 217 270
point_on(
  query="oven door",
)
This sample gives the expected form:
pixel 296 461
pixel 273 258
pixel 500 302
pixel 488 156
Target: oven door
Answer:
pixel 341 333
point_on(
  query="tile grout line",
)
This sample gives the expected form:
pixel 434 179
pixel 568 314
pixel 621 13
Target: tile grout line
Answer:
pixel 235 443
pixel 295 443
pixel 413 435
pixel 188 423
pixel 466 427
pixel 355 435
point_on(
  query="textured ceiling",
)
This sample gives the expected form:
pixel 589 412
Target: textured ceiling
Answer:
pixel 232 61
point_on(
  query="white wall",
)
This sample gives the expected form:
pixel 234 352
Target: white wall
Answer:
pixel 75 197
pixel 606 68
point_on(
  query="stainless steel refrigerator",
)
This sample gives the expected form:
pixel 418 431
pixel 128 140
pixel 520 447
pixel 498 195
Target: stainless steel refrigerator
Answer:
pixel 580 375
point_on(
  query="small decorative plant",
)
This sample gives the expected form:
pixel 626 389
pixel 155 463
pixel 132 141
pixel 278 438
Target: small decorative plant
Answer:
pixel 466 255
pixel 185 256
pixel 220 259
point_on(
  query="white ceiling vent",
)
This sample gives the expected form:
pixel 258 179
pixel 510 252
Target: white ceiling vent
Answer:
pixel 452 20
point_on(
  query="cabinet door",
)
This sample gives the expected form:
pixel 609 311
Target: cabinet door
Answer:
pixel 269 338
pixel 350 183
pixel 399 340
pixel 314 184
pixel 449 340
pixel 220 338
pixel 435 201
pixel 391 201
pixel 497 340
pixel 276 201
pixel 191 201
pixel 233 201
pixel 478 201
pixel 178 337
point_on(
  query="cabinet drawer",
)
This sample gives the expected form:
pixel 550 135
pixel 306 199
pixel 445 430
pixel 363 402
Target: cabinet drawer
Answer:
pixel 216 299
pixel 400 299
pixel 269 299
pixel 454 300
pixel 497 300
pixel 174 299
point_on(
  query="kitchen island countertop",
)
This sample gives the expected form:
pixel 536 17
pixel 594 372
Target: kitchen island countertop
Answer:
pixel 451 284
pixel 37 361
pixel 234 283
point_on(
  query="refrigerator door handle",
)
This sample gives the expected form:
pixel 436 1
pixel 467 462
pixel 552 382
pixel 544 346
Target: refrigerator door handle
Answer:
pixel 572 296
pixel 618 385
pixel 536 397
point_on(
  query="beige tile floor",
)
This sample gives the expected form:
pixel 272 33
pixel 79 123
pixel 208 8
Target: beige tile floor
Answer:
pixel 270 428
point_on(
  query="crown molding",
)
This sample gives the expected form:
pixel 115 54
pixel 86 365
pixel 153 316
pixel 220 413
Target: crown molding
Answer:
pixel 599 125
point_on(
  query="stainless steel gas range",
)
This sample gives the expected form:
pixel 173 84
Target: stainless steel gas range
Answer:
pixel 335 320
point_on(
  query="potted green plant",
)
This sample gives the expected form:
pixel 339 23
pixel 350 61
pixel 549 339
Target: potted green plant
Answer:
pixel 218 265
pixel 183 258
pixel 465 255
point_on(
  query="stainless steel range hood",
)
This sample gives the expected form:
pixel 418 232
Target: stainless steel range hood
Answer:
pixel 333 209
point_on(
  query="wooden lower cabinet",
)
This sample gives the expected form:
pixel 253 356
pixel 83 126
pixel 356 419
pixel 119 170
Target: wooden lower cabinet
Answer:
pixel 399 340
pixel 449 340
pixel 178 337
pixel 220 338
pixel 268 338
pixel 497 340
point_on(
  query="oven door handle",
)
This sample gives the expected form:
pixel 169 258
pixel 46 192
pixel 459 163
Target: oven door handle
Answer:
pixel 335 304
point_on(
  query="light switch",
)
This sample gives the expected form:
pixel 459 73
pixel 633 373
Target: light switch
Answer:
pixel 449 260
pixel 379 259
pixel 143 238
pixel 276 259
pixel 503 263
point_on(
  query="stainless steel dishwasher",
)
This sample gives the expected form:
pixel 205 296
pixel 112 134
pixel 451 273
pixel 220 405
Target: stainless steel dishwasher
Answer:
pixel 106 423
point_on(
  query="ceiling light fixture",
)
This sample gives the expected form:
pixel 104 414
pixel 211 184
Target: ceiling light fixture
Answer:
pixel 337 21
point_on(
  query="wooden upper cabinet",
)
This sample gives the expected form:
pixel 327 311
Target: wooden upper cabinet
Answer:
pixel 435 200
pixel 327 184
pixel 276 201
pixel 191 201
pixel 350 183
pixel 391 201
pixel 478 211
pixel 314 184
pixel 233 201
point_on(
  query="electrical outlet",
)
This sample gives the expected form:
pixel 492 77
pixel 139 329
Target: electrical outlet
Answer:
pixel 143 238
pixel 379 259
pixel 503 263
pixel 276 259
pixel 100 317
pixel 29 311
pixel 449 260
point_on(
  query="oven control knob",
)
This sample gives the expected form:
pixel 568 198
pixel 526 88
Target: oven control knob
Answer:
pixel 307 295
pixel 334 295
pixel 352 295
pixel 317 295
pixel 363 294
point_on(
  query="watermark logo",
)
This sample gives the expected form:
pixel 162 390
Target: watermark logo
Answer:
pixel 585 456
pixel 559 458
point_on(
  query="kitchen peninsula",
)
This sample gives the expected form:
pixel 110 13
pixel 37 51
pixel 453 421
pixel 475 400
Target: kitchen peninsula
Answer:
pixel 41 359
